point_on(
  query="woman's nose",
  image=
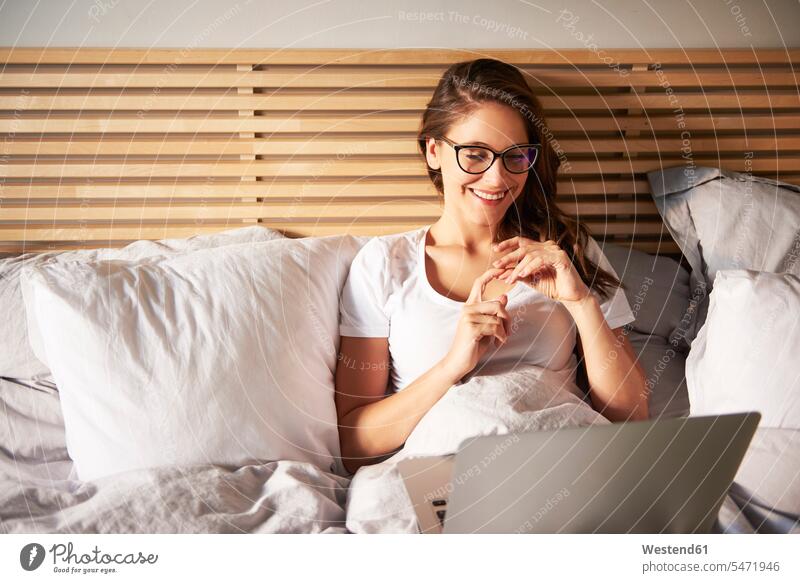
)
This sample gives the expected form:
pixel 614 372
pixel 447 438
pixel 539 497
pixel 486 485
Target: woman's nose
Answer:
pixel 496 176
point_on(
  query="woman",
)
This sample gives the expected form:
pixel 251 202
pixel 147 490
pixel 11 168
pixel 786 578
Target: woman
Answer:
pixel 504 274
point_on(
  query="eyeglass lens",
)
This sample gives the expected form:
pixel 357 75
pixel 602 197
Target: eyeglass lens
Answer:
pixel 475 159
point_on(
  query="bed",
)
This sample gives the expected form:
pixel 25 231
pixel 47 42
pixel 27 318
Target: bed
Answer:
pixel 181 181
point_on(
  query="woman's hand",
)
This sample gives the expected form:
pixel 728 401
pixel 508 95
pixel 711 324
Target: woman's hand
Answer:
pixel 480 323
pixel 544 266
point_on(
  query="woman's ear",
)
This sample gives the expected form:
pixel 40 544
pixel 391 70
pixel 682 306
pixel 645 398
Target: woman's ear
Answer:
pixel 432 154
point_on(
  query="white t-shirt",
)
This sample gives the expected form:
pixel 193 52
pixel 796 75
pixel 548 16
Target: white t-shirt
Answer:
pixel 387 295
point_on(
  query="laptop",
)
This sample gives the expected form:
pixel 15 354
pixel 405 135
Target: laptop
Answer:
pixel 654 476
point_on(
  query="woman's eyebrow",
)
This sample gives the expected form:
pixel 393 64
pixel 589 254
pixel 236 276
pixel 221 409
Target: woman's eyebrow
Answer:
pixel 500 150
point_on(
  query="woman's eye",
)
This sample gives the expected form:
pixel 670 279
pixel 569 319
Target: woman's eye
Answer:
pixel 476 155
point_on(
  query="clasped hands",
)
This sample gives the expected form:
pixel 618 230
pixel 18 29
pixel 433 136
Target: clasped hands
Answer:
pixel 544 266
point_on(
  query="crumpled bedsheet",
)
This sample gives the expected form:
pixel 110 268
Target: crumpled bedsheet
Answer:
pixel 275 497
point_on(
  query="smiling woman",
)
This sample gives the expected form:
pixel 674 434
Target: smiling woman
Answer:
pixel 427 305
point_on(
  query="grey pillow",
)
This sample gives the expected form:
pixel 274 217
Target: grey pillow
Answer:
pixel 665 372
pixel 657 288
pixel 726 220
pixel 17 359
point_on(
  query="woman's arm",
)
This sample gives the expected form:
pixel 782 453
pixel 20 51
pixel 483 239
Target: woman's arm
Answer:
pixel 372 425
pixel 616 380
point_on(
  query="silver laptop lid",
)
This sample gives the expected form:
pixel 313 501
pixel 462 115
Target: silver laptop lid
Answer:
pixel 660 475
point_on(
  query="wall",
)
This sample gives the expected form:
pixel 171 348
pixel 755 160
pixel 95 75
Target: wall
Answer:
pixel 381 23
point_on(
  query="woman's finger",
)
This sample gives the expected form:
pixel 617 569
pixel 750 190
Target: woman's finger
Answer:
pixel 502 313
pixel 517 241
pixel 476 293
pixel 521 266
pixel 509 257
pixel 541 262
pixel 520 252
pixel 533 266
pixel 495 330
pixel 489 307
pixel 484 319
pixel 507 243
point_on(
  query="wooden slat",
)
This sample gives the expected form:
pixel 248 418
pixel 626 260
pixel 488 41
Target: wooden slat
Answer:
pixel 430 209
pixel 315 145
pixel 666 145
pixel 222 211
pixel 297 188
pixel 355 168
pixel 384 123
pixel 387 101
pixel 99 234
pixel 602 189
pixel 160 125
pixel 787 163
pixel 411 166
pixel 108 55
pixel 108 146
pixel 405 146
pixel 386 78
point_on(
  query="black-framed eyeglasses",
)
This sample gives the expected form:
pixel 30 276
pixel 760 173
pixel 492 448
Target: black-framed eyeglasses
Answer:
pixel 473 159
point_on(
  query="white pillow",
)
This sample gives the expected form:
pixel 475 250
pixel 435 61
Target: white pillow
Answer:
pixel 745 356
pixel 20 356
pixel 222 356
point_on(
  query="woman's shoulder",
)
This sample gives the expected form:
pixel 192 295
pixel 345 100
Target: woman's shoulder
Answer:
pixel 388 260
pixel 394 249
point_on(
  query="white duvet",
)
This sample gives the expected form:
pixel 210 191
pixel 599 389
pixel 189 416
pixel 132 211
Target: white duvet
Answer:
pixel 530 398
pixel 493 401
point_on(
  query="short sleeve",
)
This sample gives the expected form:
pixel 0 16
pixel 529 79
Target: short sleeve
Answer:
pixel 362 305
pixel 616 308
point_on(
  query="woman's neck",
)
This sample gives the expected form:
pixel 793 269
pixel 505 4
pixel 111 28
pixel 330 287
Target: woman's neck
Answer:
pixel 472 239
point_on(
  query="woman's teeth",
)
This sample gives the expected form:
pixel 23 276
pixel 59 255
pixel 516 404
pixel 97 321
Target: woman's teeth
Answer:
pixel 488 195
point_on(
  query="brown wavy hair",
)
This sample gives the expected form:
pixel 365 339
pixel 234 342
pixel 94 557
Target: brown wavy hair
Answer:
pixel 535 214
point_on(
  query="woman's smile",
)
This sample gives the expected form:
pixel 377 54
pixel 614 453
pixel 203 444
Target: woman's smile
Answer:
pixel 489 197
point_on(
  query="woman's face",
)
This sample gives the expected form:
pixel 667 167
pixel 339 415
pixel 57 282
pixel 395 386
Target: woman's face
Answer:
pixel 499 127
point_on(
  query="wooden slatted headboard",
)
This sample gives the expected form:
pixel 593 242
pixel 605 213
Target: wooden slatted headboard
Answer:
pixel 100 147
